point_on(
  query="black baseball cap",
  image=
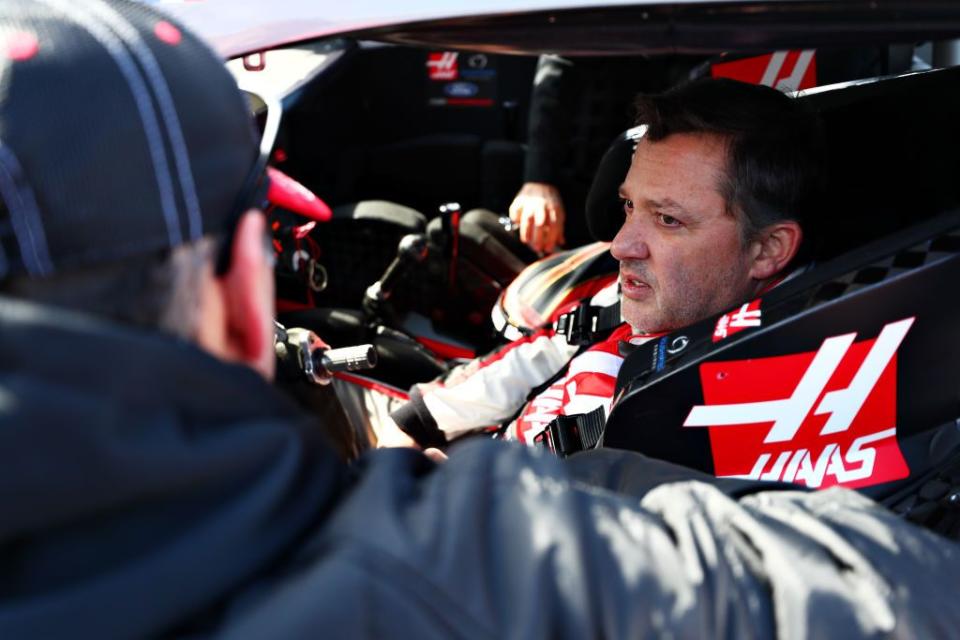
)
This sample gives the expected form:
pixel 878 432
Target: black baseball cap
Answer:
pixel 121 133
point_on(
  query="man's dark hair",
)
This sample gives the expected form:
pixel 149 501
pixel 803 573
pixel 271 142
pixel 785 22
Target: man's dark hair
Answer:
pixel 774 144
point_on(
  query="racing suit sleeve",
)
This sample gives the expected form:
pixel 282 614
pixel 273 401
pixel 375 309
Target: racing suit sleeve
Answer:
pixel 484 392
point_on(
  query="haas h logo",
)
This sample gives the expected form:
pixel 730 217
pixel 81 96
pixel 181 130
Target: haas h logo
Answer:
pixel 442 65
pixel 748 315
pixel 821 418
pixel 788 70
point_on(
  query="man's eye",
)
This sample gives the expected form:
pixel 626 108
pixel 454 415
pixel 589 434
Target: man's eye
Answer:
pixel 668 221
pixel 627 205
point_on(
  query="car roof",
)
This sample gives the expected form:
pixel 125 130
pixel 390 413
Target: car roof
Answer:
pixel 236 27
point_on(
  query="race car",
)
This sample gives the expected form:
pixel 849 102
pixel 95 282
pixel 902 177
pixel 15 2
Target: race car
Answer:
pixel 845 375
pixel 421 125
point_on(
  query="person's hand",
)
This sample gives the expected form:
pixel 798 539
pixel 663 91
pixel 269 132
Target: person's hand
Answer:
pixel 538 210
pixel 390 435
pixel 436 455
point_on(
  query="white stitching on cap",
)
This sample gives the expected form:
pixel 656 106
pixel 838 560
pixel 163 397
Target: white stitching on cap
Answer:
pixel 24 215
pixel 141 96
pixel 167 110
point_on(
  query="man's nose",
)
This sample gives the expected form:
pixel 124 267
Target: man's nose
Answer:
pixel 630 243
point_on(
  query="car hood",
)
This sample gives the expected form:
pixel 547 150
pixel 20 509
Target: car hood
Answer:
pixel 236 27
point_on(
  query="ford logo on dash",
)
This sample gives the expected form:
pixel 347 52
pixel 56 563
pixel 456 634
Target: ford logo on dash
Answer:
pixel 461 89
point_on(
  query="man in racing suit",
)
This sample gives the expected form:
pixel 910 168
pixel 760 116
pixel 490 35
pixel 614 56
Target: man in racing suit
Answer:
pixel 713 202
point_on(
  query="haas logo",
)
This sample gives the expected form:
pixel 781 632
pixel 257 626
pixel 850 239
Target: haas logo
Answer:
pixel 748 315
pixel 442 65
pixel 788 70
pixel 821 418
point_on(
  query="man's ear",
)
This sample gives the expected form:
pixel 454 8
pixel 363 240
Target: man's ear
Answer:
pixel 775 247
pixel 248 292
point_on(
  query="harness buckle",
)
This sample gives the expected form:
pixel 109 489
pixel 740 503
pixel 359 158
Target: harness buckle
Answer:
pixel 560 436
pixel 566 435
pixel 580 325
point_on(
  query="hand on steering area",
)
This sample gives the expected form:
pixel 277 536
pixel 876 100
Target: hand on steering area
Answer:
pixel 538 210
pixel 390 435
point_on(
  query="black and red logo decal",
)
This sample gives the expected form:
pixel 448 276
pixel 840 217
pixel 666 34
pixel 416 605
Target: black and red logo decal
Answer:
pixel 748 315
pixel 789 70
pixel 443 65
pixel 819 418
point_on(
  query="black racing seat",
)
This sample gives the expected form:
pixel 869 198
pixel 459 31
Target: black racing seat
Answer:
pixel 604 208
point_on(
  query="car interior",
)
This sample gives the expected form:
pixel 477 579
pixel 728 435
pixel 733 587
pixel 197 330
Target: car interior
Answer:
pixel 371 126
pixel 375 136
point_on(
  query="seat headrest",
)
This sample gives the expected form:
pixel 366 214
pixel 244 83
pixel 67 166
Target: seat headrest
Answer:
pixel 603 208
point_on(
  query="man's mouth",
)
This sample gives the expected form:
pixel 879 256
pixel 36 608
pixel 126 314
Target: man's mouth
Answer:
pixel 632 286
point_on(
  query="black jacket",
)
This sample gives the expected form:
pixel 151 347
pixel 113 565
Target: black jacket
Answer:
pixel 151 489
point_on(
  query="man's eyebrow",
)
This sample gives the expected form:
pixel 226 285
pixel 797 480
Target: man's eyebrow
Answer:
pixel 667 203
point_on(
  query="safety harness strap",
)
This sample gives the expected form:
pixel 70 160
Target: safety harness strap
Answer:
pixel 566 435
pixel 588 323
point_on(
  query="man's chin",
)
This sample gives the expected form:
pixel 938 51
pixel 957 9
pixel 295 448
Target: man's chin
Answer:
pixel 640 316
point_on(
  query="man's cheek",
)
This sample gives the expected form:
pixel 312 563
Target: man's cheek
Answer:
pixel 685 296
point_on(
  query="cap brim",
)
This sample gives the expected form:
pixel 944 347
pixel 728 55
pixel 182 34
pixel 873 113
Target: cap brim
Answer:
pixel 287 193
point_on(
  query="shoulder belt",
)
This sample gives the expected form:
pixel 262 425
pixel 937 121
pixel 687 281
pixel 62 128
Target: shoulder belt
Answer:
pixel 588 323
